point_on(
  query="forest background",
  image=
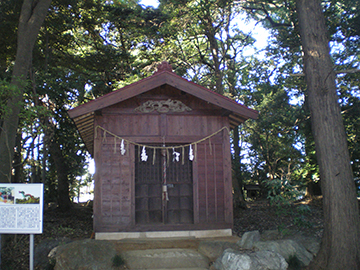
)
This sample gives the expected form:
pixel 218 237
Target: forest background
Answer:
pixel 85 49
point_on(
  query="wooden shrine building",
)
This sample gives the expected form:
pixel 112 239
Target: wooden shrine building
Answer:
pixel 162 155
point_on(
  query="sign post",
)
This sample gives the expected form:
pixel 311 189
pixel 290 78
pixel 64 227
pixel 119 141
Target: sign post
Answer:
pixel 21 211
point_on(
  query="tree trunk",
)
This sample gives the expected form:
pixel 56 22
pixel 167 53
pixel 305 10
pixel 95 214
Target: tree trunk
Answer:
pixel 239 200
pixel 33 13
pixel 44 160
pixel 56 154
pixel 61 172
pixel 340 248
pixel 214 50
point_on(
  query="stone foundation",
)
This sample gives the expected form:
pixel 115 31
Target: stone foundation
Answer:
pixel 162 234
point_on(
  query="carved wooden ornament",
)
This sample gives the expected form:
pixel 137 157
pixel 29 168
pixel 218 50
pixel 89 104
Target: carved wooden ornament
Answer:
pixel 163 106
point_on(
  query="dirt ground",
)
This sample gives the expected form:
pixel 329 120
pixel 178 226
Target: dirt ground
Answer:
pixel 305 216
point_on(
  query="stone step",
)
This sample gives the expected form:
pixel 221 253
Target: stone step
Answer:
pixel 160 259
pixel 174 269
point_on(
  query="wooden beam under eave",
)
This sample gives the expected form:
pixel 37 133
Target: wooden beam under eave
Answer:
pixel 225 112
pixel 234 121
pixel 82 120
pixel 233 125
pixel 85 124
pixel 87 134
pixel 237 118
pixel 86 129
pixel 89 143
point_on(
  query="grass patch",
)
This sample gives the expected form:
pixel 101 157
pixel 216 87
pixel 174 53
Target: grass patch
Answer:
pixel 118 261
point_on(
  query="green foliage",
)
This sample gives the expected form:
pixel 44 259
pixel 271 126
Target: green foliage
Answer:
pixel 274 137
pixel 202 43
pixel 7 91
pixel 63 231
pixel 303 209
pixel 9 20
pixel 90 48
pixel 284 52
pixel 118 261
pixel 78 183
pixel 300 214
pixel 350 106
pixel 283 230
pixel 281 192
pixel 5 94
pixel 31 115
pixel 301 221
pixel 357 185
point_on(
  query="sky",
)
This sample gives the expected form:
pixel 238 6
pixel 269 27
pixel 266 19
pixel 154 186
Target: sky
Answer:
pixel 153 3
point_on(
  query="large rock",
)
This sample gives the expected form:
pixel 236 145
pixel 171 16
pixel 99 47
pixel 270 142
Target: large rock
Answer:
pixel 248 239
pixel 311 243
pixel 274 235
pixel 251 260
pixel 287 248
pixel 85 255
pixel 214 249
pixel 42 249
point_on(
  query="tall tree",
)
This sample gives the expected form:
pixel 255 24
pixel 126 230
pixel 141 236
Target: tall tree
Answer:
pixel 204 37
pixel 33 13
pixel 340 248
pixel 275 134
pixel 284 50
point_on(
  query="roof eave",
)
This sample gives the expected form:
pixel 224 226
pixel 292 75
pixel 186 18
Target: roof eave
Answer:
pixel 159 79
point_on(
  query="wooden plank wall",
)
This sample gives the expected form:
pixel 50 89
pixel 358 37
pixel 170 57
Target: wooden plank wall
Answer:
pixel 211 184
pixel 114 188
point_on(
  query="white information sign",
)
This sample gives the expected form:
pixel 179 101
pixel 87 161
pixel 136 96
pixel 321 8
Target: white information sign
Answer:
pixel 21 208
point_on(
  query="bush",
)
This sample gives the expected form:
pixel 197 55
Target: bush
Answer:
pixel 281 192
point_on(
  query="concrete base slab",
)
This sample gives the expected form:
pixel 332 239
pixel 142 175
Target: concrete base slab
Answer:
pixel 163 234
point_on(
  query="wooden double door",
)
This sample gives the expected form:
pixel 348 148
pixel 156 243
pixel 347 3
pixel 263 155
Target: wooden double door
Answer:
pixel 163 187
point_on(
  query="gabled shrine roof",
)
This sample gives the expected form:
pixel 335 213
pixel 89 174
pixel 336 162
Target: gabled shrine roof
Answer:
pixel 83 115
